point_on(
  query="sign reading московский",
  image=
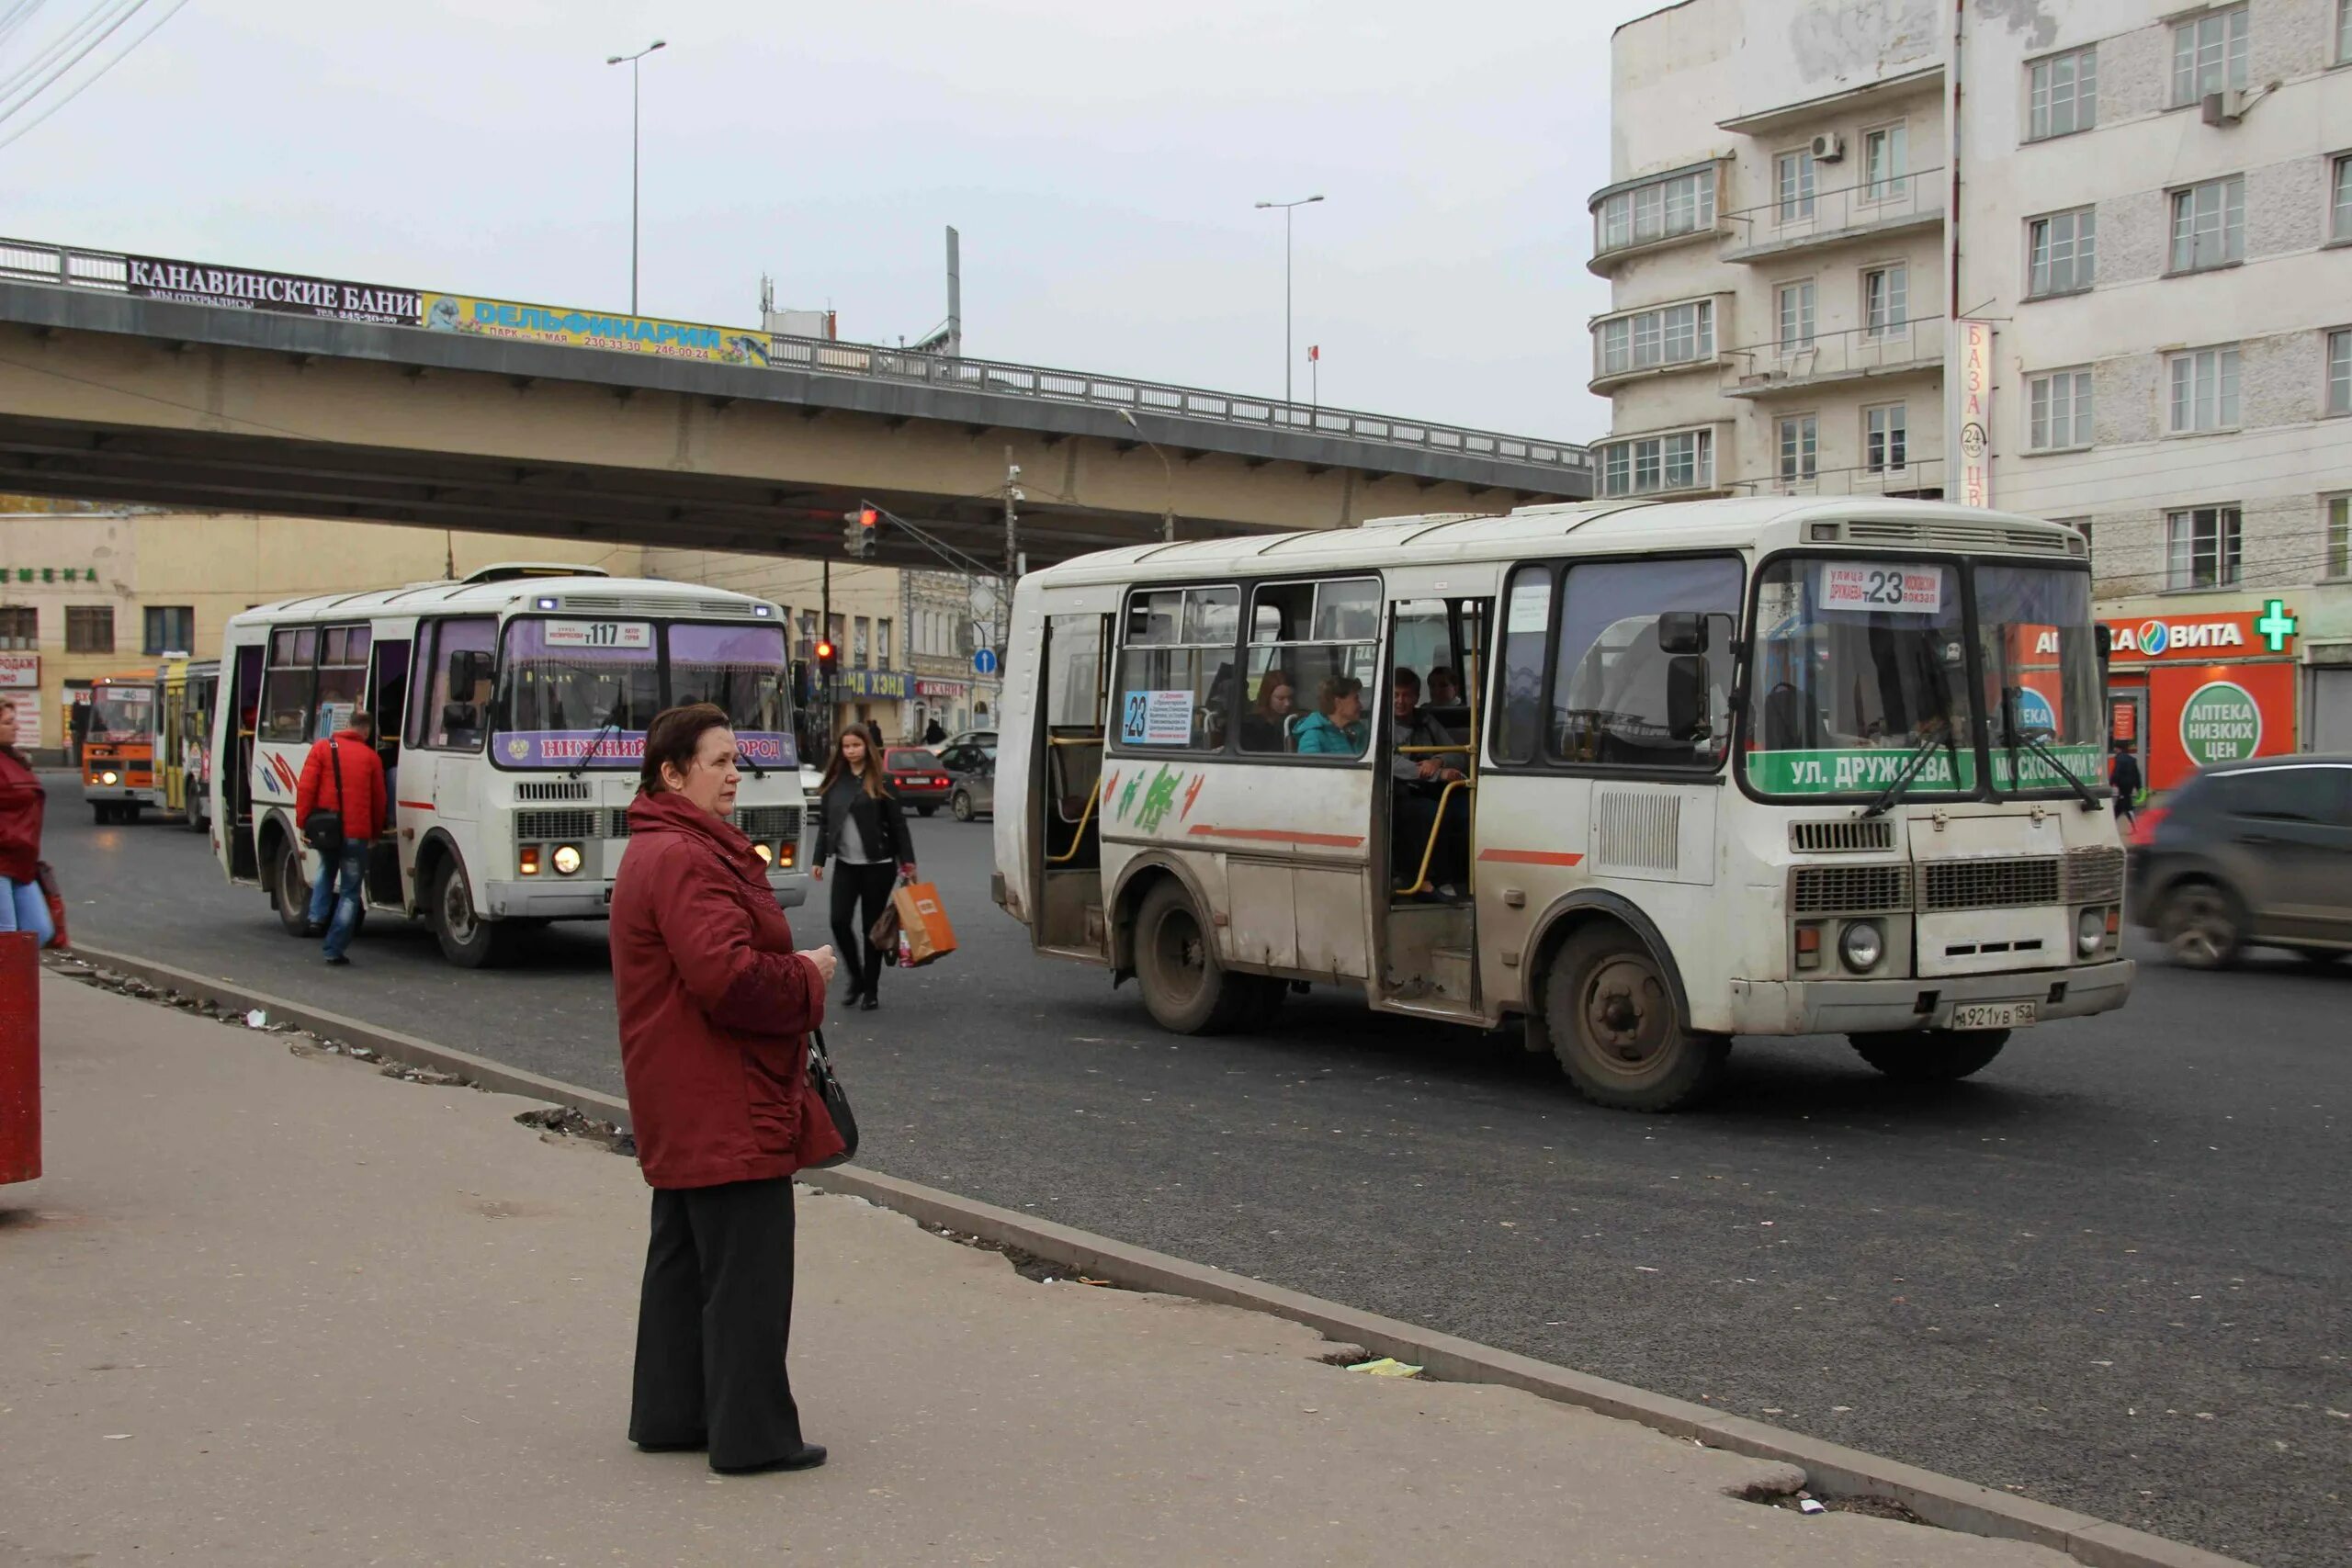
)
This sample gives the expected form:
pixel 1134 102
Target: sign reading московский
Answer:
pixel 194 283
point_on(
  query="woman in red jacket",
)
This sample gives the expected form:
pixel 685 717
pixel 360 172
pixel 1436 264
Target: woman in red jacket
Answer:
pixel 23 905
pixel 715 1012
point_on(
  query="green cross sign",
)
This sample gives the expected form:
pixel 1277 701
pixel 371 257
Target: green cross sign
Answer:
pixel 2276 626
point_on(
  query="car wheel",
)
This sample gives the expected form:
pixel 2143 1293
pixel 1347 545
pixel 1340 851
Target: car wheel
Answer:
pixel 960 806
pixel 293 887
pixel 927 808
pixel 1610 1012
pixel 2201 926
pixel 1930 1055
pixel 1187 990
pixel 467 940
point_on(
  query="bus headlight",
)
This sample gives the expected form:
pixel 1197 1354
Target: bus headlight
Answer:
pixel 766 854
pixel 2090 929
pixel 1862 945
pixel 567 860
pixel 110 777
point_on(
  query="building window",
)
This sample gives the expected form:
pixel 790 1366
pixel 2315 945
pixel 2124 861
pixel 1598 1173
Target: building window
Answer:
pixel 2061 94
pixel 2201 547
pixel 860 646
pixel 1885 160
pixel 2205 390
pixel 170 628
pixel 1886 301
pixel 1797 315
pixel 882 643
pixel 2339 202
pixel 1792 181
pixel 2208 55
pixel 2081 525
pixel 1800 446
pixel 2209 224
pixel 89 629
pixel 1685 460
pixel 2339 371
pixel 2058 411
pixel 2062 253
pixel 1886 438
pixel 2339 509
pixel 2344 32
pixel 19 627
pixel 1678 334
pixel 1684 204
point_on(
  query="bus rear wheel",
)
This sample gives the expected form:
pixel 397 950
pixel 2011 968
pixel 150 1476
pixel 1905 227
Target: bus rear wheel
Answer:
pixel 467 940
pixel 1609 1010
pixel 293 887
pixel 1186 990
pixel 1930 1055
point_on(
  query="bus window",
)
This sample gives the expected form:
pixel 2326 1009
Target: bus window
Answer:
pixel 342 676
pixel 1303 635
pixel 1527 624
pixel 453 719
pixel 1620 695
pixel 741 670
pixel 293 678
pixel 1177 682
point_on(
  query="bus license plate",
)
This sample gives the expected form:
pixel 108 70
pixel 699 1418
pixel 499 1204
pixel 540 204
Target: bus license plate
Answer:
pixel 1992 1015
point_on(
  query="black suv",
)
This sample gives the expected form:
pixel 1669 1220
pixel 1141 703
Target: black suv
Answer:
pixel 2248 852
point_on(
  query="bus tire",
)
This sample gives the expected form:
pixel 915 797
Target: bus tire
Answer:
pixel 101 813
pixel 1930 1055
pixel 1610 1012
pixel 192 811
pixel 291 886
pixel 467 940
pixel 1186 990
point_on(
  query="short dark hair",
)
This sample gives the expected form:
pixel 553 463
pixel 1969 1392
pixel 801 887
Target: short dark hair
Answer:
pixel 1336 687
pixel 674 737
pixel 360 719
pixel 1406 678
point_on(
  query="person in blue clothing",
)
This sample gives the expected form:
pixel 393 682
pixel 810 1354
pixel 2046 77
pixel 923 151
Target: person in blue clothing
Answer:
pixel 1336 728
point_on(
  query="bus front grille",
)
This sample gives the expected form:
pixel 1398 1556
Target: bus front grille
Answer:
pixel 1851 890
pixel 770 824
pixel 537 827
pixel 2095 875
pixel 1842 836
pixel 1988 883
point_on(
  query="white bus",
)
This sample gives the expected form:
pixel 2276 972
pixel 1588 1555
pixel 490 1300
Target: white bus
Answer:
pixel 510 711
pixel 1693 771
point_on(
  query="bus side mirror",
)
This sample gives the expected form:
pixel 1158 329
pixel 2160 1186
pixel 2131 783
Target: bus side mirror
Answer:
pixel 468 670
pixel 1686 697
pixel 1682 631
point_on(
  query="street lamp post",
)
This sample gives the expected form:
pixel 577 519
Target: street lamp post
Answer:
pixel 1168 507
pixel 1287 206
pixel 632 61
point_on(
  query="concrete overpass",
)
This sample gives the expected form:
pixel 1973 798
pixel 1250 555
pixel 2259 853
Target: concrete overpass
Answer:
pixel 111 388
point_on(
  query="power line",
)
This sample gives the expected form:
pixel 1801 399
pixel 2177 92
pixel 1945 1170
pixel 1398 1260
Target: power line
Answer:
pixel 80 87
pixel 100 21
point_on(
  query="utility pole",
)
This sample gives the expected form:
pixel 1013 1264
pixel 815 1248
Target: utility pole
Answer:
pixel 631 62
pixel 1012 497
pixel 825 634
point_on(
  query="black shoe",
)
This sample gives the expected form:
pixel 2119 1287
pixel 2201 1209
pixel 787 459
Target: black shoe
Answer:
pixel 868 1002
pixel 312 929
pixel 338 962
pixel 809 1457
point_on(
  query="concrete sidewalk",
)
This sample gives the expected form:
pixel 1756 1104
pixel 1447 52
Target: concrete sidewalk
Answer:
pixel 275 1309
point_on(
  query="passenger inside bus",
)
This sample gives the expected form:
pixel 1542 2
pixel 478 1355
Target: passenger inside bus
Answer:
pixel 1266 727
pixel 1422 806
pixel 1337 727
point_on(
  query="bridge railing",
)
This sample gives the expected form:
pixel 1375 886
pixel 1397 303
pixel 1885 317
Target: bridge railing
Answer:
pixel 26 261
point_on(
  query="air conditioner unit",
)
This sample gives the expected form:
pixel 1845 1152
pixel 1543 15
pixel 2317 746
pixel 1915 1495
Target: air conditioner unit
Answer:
pixel 2224 108
pixel 1828 147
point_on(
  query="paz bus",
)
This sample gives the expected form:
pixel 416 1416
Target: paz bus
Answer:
pixel 511 709
pixel 185 694
pixel 119 752
pixel 1674 772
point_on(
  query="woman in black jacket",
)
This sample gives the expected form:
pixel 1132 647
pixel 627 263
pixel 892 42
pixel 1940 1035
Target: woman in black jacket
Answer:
pixel 861 834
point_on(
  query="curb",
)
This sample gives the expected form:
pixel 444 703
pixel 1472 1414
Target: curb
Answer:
pixel 1941 1500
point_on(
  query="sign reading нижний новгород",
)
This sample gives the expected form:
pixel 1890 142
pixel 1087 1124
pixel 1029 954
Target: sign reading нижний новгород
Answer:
pixel 248 288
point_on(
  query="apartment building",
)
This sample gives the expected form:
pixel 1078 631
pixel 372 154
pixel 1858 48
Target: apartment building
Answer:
pixel 2131 242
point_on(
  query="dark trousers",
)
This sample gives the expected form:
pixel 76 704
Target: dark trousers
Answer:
pixel 713 1323
pixel 860 895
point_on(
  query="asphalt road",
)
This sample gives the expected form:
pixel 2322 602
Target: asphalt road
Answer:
pixel 2111 1273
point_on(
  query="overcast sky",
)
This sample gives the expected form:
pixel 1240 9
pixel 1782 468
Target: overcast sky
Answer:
pixel 1099 159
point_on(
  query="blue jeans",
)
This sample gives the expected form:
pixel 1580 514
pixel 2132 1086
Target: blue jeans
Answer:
pixel 24 908
pixel 339 886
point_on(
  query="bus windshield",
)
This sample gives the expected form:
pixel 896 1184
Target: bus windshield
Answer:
pixel 2040 689
pixel 581 693
pixel 123 714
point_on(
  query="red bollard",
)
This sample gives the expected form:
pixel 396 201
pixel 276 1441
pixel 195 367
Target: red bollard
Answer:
pixel 19 1056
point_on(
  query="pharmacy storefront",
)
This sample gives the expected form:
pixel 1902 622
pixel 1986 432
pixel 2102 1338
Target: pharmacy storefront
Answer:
pixel 2191 690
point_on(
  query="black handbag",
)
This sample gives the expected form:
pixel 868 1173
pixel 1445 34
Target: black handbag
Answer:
pixel 827 1084
pixel 325 829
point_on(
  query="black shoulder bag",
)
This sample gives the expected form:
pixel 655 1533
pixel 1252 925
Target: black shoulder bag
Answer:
pixel 325 829
pixel 828 1088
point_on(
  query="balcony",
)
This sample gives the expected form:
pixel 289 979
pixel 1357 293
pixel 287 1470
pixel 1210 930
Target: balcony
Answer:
pixel 1652 212
pixel 1829 359
pixel 1917 477
pixel 1870 210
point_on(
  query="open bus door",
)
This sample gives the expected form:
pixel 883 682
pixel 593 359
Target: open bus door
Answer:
pixel 387 699
pixel 1064 827
pixel 237 712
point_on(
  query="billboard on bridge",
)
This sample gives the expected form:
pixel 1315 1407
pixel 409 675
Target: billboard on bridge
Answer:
pixel 246 289
pixel 595 329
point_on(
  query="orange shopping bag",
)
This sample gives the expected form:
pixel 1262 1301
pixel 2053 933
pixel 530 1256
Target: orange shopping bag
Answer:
pixel 924 933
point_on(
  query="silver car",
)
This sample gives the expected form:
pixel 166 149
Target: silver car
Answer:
pixel 969 762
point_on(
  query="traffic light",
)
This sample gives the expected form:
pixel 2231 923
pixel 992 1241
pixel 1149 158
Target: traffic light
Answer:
pixel 828 660
pixel 858 530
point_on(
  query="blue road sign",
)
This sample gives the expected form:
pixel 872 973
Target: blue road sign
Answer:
pixel 984 662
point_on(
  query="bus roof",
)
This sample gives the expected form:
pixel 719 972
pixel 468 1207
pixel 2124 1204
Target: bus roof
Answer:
pixel 1599 526
pixel 583 595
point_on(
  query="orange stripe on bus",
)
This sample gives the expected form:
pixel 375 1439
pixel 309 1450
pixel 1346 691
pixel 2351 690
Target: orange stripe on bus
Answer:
pixel 1280 836
pixel 1533 857
pixel 418 804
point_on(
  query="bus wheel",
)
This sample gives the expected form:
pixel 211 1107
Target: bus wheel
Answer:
pixel 293 889
pixel 1611 1015
pixel 1930 1055
pixel 192 812
pixel 467 940
pixel 1186 988
pixel 101 813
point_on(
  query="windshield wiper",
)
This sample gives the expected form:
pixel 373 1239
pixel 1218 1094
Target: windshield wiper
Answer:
pixel 1910 769
pixel 611 720
pixel 2033 742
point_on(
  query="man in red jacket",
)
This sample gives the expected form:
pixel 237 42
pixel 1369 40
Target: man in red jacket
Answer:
pixel 342 774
